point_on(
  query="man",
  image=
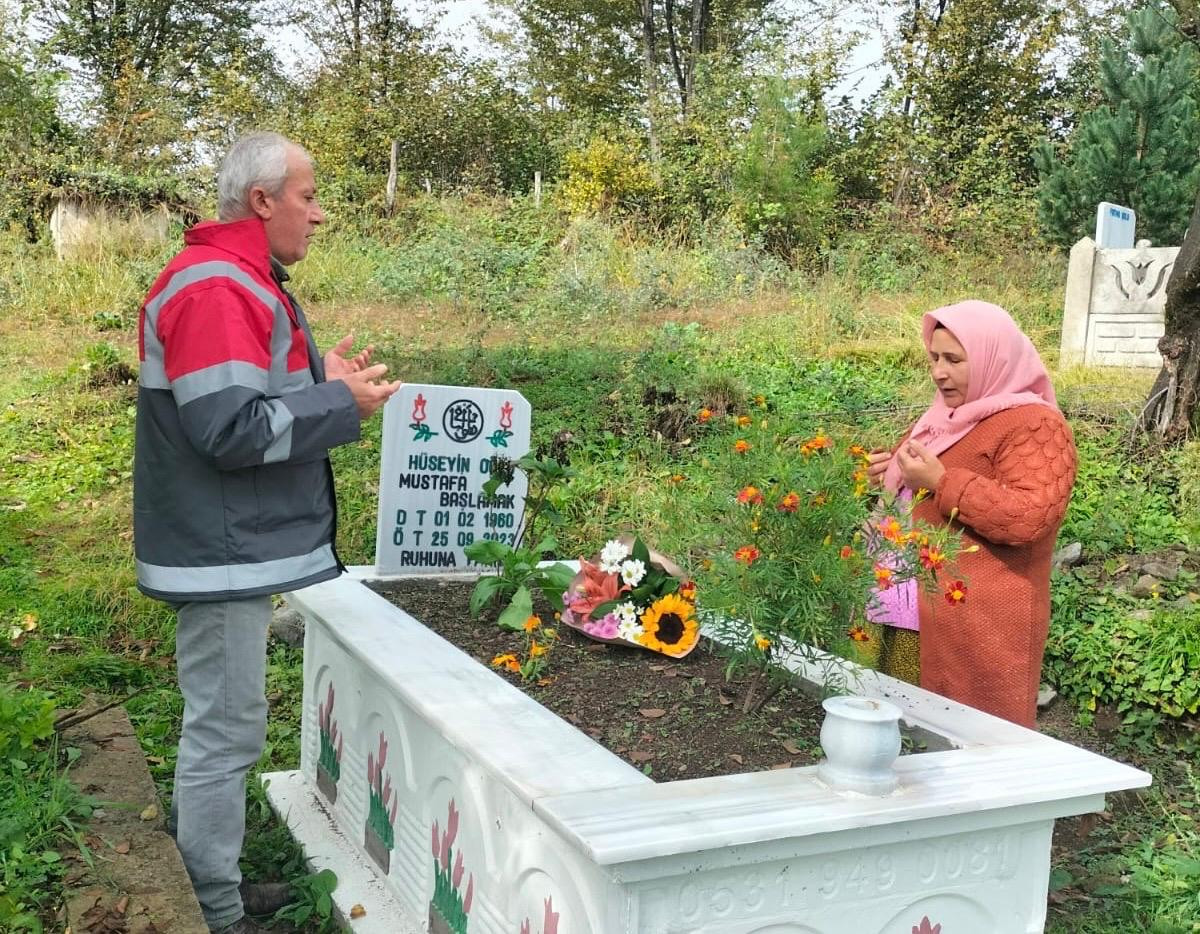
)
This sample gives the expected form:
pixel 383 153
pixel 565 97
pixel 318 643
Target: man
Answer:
pixel 233 491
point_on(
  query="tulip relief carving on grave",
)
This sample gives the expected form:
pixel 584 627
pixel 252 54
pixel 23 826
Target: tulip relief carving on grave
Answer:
pixel 925 927
pixel 379 835
pixel 549 920
pixel 451 903
pixel 329 762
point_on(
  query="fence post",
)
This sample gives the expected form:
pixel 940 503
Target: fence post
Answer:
pixel 428 186
pixel 537 189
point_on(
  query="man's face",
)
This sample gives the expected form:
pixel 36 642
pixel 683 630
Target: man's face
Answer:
pixel 290 216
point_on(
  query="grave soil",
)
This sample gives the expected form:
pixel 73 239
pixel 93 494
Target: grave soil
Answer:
pixel 673 719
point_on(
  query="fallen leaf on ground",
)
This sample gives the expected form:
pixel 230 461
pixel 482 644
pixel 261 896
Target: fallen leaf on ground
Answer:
pixel 640 755
pixel 122 847
pixel 736 758
pixel 782 765
pixel 652 713
pixel 357 911
pixel 122 905
pixel 793 747
pixel 149 813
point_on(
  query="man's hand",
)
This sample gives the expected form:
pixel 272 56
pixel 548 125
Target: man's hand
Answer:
pixel 877 465
pixel 920 468
pixel 337 364
pixel 369 393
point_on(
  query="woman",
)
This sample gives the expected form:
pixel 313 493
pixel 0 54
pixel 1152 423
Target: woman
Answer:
pixel 999 461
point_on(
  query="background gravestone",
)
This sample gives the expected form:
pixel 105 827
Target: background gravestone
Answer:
pixel 438 444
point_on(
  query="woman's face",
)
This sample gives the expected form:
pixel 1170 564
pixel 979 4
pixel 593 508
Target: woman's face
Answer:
pixel 949 367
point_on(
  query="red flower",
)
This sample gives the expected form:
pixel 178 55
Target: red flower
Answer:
pixel 956 593
pixel 751 495
pixel 847 552
pixel 790 502
pixel 931 558
pixel 747 554
pixel 883 577
pixel 687 590
pixel 858 634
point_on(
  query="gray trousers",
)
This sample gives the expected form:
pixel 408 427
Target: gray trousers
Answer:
pixel 221 661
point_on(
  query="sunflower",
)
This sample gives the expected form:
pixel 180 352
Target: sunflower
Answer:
pixel 670 626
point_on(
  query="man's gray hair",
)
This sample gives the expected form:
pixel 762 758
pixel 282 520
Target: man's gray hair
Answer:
pixel 257 159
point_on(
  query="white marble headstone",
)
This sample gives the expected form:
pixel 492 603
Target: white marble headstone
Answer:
pixel 438 443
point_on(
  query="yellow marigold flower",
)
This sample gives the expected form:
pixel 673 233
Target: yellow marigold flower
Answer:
pixel 762 643
pixel 761 401
pixel 502 661
pixel 536 649
pixel 743 421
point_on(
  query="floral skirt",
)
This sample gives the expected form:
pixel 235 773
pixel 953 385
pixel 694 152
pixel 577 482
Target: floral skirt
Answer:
pixel 900 654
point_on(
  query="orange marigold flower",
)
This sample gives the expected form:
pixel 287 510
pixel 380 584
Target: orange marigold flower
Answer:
pixel 704 415
pixel 819 500
pixel 790 502
pixel 884 577
pixel 858 634
pixel 956 593
pixel 741 445
pixel 847 552
pixel 889 528
pixel 747 554
pixel 761 401
pixel 532 623
pixel 819 443
pixel 857 450
pixel 504 661
pixel 676 478
pixel 751 495
pixel 744 421
pixel 931 558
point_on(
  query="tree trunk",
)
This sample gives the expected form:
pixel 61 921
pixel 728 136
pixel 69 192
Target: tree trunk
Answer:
pixel 1171 410
pixel 650 66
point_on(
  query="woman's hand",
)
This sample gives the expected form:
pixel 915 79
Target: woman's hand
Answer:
pixel 919 468
pixel 877 465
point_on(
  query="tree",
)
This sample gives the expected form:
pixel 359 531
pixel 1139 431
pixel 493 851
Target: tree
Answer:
pixel 975 84
pixel 1172 411
pixel 148 68
pixel 1138 148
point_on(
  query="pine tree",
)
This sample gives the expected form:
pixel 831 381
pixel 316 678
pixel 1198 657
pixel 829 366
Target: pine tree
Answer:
pixel 1138 149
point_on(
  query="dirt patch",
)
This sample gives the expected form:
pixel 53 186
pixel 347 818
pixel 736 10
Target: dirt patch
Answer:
pixel 671 719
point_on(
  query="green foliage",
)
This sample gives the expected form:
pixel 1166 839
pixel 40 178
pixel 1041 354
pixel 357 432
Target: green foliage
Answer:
pixel 312 902
pixel 1136 149
pixel 26 718
pixel 1105 649
pixel 778 193
pixel 606 176
pixel 517 563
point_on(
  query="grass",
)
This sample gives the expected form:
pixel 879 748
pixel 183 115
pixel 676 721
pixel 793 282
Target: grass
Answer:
pixel 583 317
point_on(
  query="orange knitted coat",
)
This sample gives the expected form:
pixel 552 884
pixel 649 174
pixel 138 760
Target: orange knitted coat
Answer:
pixel 1010 479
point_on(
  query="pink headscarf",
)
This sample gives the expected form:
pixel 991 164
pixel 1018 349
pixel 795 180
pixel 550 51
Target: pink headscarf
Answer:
pixel 1006 371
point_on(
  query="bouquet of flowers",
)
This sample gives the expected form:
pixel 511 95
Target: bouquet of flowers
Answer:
pixel 629 594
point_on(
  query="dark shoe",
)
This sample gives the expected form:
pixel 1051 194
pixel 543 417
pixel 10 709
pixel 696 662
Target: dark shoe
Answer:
pixel 243 925
pixel 264 898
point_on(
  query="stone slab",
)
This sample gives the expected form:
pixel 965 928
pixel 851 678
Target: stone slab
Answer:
pixel 112 769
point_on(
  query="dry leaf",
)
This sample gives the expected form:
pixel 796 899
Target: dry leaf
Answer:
pixel 782 765
pixel 658 667
pixel 122 905
pixel 357 911
pixel 150 813
pixel 736 758
pixel 652 713
pixel 640 755
pixel 793 747
pixel 725 699
pixel 156 760
pixel 122 847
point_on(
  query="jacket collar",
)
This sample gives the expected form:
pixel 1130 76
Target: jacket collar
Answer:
pixel 246 239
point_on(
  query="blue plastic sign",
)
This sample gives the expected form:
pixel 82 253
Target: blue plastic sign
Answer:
pixel 1115 226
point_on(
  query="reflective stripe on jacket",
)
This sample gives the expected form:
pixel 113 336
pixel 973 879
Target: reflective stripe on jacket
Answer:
pixel 233 492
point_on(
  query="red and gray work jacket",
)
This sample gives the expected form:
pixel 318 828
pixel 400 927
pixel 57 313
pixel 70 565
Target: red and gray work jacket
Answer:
pixel 232 488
